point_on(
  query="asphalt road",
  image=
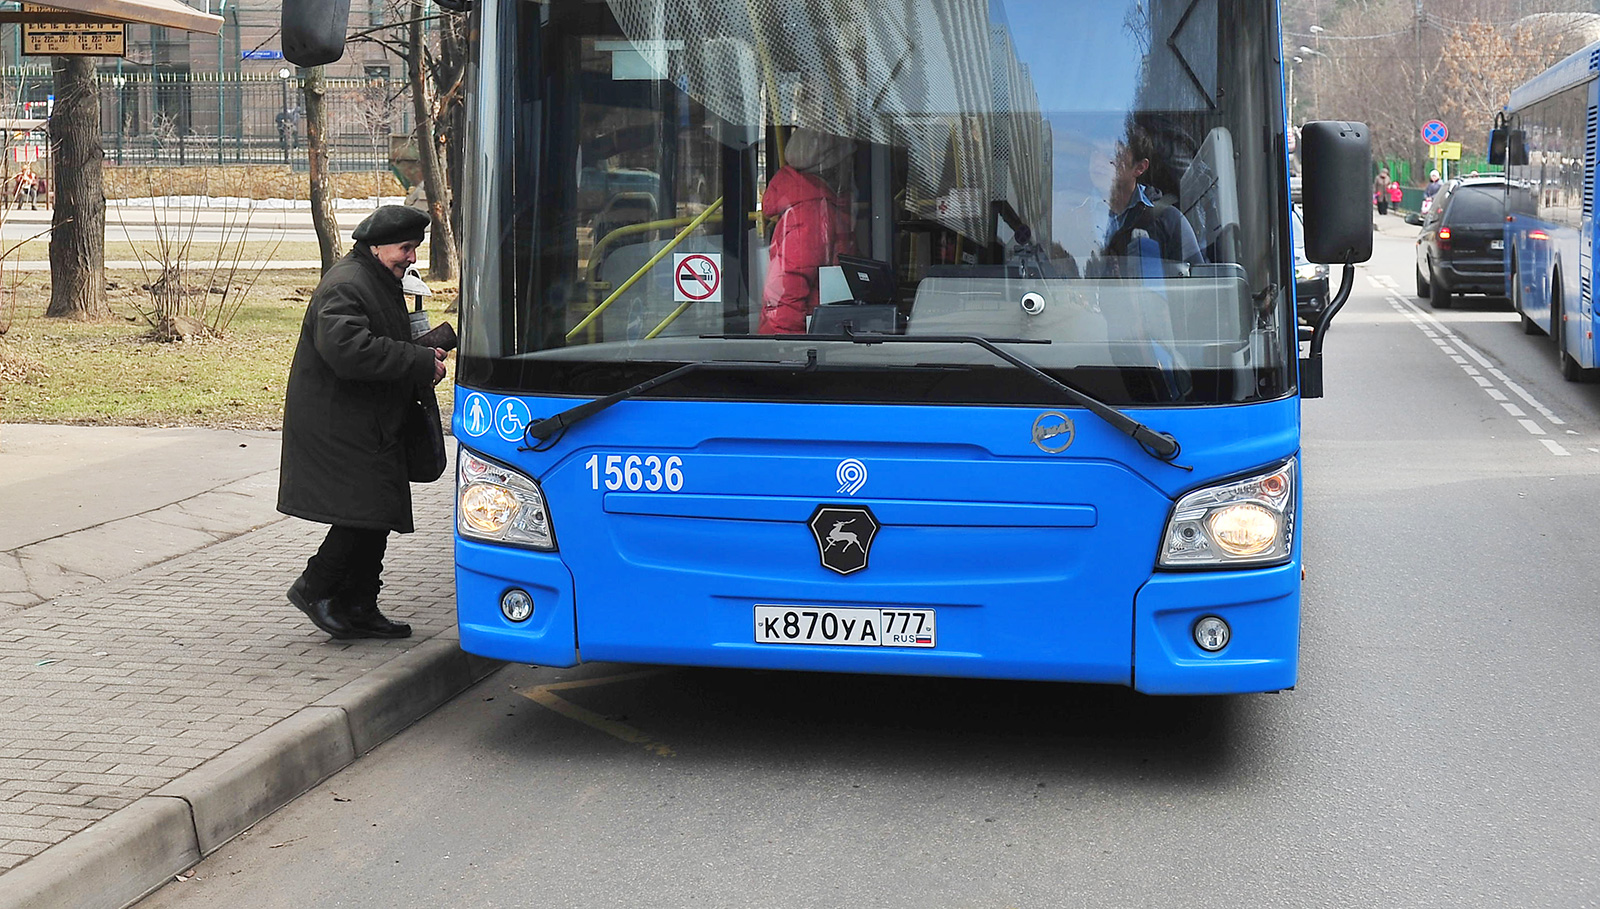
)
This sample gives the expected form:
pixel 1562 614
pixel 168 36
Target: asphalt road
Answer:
pixel 1441 749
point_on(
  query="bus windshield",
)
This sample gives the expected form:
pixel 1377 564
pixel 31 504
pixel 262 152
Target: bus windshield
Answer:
pixel 663 182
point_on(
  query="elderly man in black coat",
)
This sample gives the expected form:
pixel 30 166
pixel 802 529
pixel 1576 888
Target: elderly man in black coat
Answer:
pixel 355 374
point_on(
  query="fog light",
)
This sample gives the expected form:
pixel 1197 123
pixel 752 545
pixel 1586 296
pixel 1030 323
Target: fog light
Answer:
pixel 516 606
pixel 1212 634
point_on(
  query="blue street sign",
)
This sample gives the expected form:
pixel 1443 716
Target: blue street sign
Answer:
pixel 261 55
pixel 1434 132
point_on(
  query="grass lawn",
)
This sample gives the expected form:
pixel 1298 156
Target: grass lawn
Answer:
pixel 111 371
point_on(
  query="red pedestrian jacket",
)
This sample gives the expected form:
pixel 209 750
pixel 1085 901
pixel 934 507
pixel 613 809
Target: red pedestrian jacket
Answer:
pixel 812 228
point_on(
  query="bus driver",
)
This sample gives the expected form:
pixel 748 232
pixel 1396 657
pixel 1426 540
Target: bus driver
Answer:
pixel 1136 226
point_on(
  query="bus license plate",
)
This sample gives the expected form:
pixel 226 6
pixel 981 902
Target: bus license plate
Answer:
pixel 852 627
pixel 1497 244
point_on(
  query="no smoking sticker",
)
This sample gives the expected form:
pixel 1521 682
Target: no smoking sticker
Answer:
pixel 697 277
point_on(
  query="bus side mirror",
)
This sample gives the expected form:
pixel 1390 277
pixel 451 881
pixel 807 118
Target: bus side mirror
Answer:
pixel 1336 189
pixel 1497 146
pixel 313 30
pixel 1516 148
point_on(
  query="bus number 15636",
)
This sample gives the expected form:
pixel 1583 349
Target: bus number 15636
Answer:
pixel 634 473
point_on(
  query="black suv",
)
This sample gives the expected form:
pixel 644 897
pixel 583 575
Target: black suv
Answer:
pixel 1462 246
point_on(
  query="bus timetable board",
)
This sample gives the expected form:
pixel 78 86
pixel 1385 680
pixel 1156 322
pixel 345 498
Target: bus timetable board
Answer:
pixel 98 39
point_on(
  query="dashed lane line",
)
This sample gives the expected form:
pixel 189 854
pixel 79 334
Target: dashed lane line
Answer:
pixel 1465 355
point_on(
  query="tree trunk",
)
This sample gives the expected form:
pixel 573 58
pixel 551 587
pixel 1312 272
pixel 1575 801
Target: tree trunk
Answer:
pixel 78 227
pixel 442 249
pixel 322 219
pixel 454 51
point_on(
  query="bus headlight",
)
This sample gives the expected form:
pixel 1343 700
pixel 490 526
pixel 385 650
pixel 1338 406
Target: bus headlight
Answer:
pixel 500 505
pixel 1241 522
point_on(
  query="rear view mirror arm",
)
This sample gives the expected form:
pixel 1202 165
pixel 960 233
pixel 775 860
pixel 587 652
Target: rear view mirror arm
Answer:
pixel 1311 366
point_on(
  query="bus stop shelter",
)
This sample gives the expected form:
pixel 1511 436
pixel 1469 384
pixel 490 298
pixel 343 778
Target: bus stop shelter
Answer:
pixel 85 28
pixel 168 13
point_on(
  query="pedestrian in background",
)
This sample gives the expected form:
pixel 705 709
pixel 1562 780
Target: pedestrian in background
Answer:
pixel 1432 189
pixel 1395 195
pixel 27 188
pixel 1380 190
pixel 355 375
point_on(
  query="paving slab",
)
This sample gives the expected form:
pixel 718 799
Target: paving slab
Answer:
pixel 156 709
pixel 59 479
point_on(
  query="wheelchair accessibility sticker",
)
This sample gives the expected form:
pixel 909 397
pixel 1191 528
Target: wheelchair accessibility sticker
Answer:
pixel 511 417
pixel 475 412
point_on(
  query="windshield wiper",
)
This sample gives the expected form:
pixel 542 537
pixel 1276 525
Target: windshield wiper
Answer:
pixel 1159 445
pixel 551 426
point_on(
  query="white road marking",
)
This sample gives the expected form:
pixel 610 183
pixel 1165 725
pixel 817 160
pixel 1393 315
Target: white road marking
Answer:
pixel 1451 344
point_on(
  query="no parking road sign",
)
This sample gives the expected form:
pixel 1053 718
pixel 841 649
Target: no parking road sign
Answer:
pixel 1434 132
pixel 697 277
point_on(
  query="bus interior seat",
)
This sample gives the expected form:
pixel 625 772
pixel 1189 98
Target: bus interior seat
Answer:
pixel 622 210
pixel 650 300
pixel 1209 198
pixel 1208 195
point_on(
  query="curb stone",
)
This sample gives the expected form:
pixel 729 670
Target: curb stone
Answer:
pixel 134 851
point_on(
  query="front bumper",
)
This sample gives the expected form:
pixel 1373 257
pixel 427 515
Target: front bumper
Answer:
pixel 1261 606
pixel 1471 278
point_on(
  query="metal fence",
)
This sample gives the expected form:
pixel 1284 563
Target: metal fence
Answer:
pixel 178 119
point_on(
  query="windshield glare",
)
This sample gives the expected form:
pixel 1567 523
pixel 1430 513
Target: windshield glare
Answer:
pixel 1094 176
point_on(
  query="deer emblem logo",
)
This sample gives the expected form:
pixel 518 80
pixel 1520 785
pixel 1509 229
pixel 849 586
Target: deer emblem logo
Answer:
pixel 839 535
pixel 844 537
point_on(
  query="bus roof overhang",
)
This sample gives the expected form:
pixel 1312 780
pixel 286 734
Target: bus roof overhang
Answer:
pixel 168 13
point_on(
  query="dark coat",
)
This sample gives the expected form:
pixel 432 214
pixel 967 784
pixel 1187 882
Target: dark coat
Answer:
pixel 355 372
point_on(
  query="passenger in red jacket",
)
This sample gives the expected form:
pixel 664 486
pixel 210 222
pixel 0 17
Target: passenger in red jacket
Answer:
pixel 812 227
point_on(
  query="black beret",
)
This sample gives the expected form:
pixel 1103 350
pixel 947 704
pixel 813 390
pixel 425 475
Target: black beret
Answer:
pixel 392 224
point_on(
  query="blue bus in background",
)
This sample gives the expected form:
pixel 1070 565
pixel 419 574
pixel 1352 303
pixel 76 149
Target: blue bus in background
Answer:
pixel 1546 138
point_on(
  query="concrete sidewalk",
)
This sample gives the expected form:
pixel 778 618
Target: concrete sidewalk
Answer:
pixel 158 695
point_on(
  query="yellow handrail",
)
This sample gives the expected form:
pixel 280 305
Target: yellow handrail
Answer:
pixel 673 244
pixel 682 308
pixel 628 230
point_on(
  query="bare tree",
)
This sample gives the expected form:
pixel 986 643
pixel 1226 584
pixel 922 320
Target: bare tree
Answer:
pixel 1395 64
pixel 1482 64
pixel 449 80
pixel 78 238
pixel 442 249
pixel 195 294
pixel 374 111
pixel 315 86
pixel 436 82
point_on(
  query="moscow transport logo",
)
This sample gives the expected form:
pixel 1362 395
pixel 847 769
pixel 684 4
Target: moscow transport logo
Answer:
pixel 844 536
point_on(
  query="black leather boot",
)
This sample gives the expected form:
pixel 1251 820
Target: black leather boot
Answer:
pixel 358 608
pixel 320 609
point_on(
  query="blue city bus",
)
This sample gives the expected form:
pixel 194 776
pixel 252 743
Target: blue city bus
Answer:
pixel 1545 136
pixel 856 372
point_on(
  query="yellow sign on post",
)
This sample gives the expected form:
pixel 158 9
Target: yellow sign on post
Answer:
pixel 97 39
pixel 1445 151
